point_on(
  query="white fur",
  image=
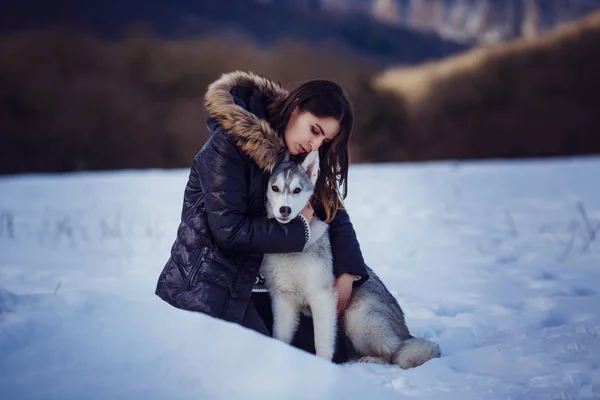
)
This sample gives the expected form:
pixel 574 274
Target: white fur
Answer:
pixel 302 281
pixel 286 198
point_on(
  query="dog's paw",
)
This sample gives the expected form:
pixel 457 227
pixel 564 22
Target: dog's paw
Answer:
pixel 371 360
pixel 326 356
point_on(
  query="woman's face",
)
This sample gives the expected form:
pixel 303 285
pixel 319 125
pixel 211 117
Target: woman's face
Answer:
pixel 306 132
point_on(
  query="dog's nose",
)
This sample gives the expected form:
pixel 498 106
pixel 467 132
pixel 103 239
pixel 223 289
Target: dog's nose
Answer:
pixel 285 211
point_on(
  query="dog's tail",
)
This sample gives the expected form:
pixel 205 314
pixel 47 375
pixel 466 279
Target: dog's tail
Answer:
pixel 416 351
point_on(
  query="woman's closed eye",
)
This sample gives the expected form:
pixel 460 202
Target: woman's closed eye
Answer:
pixel 316 131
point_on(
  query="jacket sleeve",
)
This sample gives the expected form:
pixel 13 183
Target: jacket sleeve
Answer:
pixel 224 178
pixel 347 256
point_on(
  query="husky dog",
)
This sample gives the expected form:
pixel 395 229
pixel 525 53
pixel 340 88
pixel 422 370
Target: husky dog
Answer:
pixel 302 281
pixel 373 324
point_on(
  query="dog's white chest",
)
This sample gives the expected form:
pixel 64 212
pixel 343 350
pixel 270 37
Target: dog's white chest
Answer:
pixel 301 273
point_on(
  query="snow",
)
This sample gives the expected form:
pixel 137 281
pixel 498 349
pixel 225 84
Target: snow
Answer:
pixel 496 261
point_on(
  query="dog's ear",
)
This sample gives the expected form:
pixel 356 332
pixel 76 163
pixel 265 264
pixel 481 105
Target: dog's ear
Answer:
pixel 311 166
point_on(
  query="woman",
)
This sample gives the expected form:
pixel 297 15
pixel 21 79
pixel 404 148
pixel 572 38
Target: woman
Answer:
pixel 224 231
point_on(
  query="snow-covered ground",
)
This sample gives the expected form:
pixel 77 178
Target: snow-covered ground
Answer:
pixel 499 262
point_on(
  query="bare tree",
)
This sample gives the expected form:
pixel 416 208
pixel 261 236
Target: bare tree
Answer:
pixel 386 10
pixel 531 20
pixel 421 13
pixel 459 14
pixel 515 12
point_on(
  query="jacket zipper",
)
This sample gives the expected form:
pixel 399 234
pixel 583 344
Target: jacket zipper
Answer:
pixel 196 267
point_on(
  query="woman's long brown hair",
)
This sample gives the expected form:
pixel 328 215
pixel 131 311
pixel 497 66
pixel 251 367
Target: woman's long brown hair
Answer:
pixel 323 99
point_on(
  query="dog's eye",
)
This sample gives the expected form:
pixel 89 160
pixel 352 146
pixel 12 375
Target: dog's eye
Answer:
pixel 297 190
pixel 274 188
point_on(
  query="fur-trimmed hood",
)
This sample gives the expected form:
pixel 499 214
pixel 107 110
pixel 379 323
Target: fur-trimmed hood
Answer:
pixel 253 135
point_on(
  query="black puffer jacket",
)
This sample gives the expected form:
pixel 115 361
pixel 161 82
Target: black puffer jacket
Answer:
pixel 224 231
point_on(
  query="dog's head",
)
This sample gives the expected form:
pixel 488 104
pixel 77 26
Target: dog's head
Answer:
pixel 291 186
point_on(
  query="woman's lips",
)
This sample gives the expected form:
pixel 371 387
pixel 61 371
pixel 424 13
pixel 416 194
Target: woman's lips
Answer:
pixel 302 149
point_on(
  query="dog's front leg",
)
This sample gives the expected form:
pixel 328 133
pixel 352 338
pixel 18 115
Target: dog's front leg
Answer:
pixel 285 317
pixel 323 309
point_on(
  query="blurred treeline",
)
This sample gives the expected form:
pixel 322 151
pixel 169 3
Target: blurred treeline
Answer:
pixel 72 101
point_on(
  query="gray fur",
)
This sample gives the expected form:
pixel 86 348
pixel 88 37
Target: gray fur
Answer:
pixel 301 282
pixel 288 176
pixel 373 324
pixel 376 331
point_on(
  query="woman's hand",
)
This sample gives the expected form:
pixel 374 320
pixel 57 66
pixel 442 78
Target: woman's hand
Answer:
pixel 308 212
pixel 343 284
